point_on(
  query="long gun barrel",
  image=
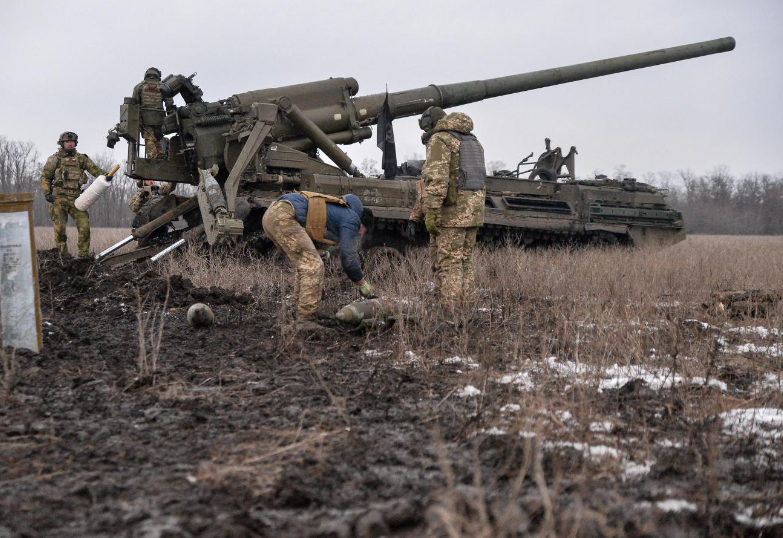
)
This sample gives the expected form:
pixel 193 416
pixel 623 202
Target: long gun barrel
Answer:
pixel 412 102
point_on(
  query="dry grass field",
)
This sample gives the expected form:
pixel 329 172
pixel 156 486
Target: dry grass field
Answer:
pixel 100 238
pixel 590 393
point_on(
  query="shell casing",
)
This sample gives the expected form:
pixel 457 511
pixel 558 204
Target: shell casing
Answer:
pixel 368 309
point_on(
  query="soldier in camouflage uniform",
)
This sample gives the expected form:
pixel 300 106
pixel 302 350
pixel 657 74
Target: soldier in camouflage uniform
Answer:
pixel 148 192
pixel 296 221
pixel 61 179
pixel 148 95
pixel 454 188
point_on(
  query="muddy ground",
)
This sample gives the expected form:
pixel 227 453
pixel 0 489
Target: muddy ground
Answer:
pixel 250 429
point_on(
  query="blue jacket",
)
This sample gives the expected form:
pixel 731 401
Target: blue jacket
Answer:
pixel 342 226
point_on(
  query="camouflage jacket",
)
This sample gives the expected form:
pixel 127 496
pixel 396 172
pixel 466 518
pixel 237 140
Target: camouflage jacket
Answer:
pixel 63 173
pixel 442 167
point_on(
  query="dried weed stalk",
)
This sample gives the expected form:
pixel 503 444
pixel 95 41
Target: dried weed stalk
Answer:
pixel 150 327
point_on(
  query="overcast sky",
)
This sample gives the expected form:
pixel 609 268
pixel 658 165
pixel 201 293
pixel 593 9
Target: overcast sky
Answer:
pixel 68 66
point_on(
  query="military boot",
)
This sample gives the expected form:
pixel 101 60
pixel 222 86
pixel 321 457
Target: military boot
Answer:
pixel 307 324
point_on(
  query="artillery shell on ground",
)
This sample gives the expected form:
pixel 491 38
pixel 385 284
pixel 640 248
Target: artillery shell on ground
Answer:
pixel 200 316
pixel 368 311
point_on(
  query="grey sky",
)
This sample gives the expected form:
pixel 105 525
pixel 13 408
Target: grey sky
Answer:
pixel 68 65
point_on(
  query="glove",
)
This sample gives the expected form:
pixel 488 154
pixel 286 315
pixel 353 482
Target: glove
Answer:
pixel 429 221
pixel 49 197
pixel 410 229
pixel 145 194
pixel 366 291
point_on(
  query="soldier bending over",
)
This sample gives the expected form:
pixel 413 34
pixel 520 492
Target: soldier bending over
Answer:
pixel 295 221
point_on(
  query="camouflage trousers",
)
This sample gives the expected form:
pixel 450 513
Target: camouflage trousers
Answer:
pixel 454 278
pixel 433 250
pixel 289 236
pixel 59 211
pixel 153 146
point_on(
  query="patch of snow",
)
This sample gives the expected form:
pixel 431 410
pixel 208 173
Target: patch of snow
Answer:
pixel 763 422
pixel 411 360
pixel 564 416
pixel 668 443
pixel 467 362
pixel 656 379
pixel 746 517
pixel 774 351
pixel 412 357
pixel 770 381
pixel 494 431
pixel 522 380
pixel 594 452
pixel 645 326
pixel 702 325
pixel 665 304
pixel 604 451
pixel 468 391
pixel 676 505
pixel 720 385
pixel 630 469
pixel 510 408
pixel 526 434
pixel 567 368
pixel 375 354
pixel 763 332
pixel 485 309
pixel 602 427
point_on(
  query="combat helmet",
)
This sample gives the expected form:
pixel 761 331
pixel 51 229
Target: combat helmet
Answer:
pixel 68 135
pixel 431 117
pixel 152 71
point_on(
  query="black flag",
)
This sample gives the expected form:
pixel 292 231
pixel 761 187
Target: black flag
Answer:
pixel 386 141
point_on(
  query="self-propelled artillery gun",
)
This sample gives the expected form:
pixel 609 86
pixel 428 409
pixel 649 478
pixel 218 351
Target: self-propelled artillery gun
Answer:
pixel 243 151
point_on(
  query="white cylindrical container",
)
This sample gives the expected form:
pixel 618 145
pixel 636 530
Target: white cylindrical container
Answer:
pixel 92 193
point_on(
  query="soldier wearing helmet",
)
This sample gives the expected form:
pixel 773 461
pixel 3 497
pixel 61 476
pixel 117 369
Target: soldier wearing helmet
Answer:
pixel 150 99
pixel 61 180
pixel 454 178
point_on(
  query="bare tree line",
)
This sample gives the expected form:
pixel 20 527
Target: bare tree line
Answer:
pixel 720 203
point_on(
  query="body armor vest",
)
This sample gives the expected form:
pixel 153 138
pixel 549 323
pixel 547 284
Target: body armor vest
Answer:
pixel 315 224
pixel 151 103
pixel 472 170
pixel 68 176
